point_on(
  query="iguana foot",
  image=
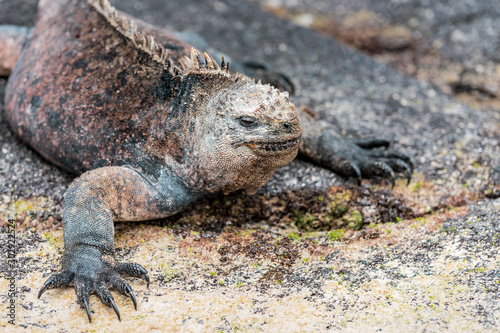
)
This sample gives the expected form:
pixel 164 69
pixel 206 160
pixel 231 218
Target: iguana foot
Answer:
pixel 364 158
pixel 365 161
pixel 261 72
pixel 90 273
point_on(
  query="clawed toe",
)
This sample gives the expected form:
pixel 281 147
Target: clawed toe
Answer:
pixel 374 164
pixel 392 155
pixel 386 168
pixel 383 170
pixel 359 159
pixel 379 162
pixel 56 281
pixel 106 297
pixel 82 291
pixel 85 302
pixel 131 294
pixel 93 279
pixel 123 287
pixel 350 169
pixel 400 167
pixel 133 270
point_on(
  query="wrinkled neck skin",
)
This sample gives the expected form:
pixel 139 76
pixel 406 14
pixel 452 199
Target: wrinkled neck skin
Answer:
pixel 203 143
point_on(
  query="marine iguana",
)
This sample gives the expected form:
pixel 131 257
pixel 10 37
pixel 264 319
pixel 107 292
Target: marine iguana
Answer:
pixel 152 126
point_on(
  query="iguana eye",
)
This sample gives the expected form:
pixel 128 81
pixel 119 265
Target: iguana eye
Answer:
pixel 247 121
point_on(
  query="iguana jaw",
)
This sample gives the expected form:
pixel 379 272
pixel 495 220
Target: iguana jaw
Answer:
pixel 283 146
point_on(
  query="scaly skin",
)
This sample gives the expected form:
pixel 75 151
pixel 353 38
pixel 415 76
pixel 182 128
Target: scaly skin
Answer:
pixel 153 126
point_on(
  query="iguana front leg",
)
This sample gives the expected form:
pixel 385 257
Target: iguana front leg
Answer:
pixel 91 204
pixel 356 159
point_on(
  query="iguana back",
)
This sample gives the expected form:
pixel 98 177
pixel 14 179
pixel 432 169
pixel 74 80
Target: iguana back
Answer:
pixel 85 93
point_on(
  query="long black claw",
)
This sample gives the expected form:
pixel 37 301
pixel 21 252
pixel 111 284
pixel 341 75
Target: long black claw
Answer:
pixel 113 304
pixel 86 305
pixel 123 287
pixel 383 170
pixel 348 169
pixel 370 143
pixel 357 171
pixel 56 281
pixel 44 287
pixel 400 166
pixel 131 293
pixel 408 176
pixel 393 155
pixel 132 269
pixel 407 171
pixel 98 281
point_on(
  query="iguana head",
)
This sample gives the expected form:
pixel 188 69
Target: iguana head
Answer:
pixel 260 120
pixel 256 131
pixel 240 131
pixel 216 130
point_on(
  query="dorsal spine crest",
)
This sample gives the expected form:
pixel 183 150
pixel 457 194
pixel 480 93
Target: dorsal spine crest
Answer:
pixel 129 30
pixel 196 62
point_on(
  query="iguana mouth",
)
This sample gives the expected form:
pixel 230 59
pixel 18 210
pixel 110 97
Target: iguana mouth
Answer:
pixel 274 147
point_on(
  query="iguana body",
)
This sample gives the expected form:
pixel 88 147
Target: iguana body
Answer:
pixel 155 126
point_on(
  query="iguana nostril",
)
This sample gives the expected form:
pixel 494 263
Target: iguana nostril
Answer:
pixel 286 126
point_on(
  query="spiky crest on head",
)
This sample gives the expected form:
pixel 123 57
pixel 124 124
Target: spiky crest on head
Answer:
pixel 273 105
pixel 267 102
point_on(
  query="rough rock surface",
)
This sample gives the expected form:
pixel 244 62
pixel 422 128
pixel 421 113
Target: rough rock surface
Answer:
pixel 224 267
pixel 452 44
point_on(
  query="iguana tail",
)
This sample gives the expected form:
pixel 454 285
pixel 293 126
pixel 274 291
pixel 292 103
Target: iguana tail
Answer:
pixel 12 40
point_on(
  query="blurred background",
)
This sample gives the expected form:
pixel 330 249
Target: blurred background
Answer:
pixel 453 44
